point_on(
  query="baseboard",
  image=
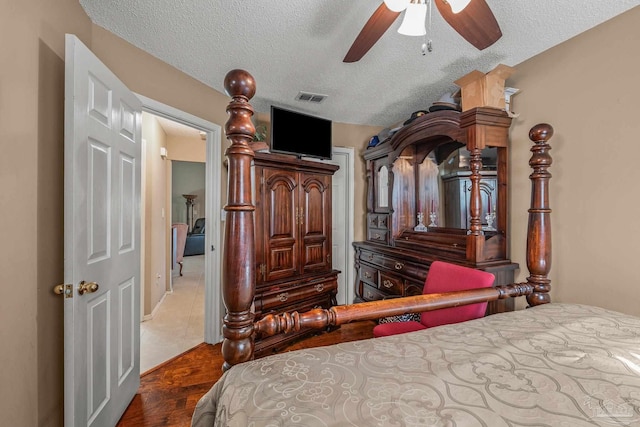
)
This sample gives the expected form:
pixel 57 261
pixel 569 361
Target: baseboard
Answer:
pixel 166 362
pixel 155 309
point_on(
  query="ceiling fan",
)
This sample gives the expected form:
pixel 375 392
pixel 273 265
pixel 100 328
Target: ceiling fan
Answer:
pixel 472 19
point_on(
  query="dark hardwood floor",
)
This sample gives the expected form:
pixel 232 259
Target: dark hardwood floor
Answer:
pixel 168 393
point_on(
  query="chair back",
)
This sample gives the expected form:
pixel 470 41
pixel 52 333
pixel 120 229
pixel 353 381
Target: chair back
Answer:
pixel 181 239
pixel 446 277
pixel 198 227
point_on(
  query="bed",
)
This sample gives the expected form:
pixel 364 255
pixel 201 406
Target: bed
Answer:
pixel 552 364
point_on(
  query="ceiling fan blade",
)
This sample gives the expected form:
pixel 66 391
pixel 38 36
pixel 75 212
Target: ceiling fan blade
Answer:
pixel 375 27
pixel 475 23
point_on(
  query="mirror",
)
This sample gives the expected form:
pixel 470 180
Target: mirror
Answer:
pixel 456 189
pixel 383 187
pixel 441 189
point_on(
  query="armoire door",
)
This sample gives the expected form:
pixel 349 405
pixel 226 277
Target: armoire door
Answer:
pixel 315 222
pixel 279 215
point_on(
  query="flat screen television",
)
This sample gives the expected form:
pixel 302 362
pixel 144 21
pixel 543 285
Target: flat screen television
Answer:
pixel 300 134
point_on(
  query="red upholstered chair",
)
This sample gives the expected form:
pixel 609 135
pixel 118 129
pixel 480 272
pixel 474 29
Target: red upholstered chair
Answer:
pixel 444 277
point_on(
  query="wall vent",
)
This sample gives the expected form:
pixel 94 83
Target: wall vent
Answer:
pixel 314 98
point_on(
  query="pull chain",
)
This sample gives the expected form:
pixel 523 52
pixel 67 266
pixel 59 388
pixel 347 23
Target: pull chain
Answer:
pixel 427 45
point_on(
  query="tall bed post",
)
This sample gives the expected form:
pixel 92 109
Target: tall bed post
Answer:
pixel 238 281
pixel 539 228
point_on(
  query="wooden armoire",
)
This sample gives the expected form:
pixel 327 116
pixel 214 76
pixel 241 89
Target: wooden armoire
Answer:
pixel 293 240
pixel 422 206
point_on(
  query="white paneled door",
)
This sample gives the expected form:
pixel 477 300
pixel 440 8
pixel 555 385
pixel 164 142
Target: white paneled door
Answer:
pixel 342 206
pixel 102 241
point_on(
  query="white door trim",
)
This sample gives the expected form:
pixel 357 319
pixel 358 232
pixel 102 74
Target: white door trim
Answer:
pixel 213 261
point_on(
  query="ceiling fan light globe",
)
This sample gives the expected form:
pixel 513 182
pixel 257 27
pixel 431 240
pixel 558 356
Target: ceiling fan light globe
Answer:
pixel 458 5
pixel 396 5
pixel 413 23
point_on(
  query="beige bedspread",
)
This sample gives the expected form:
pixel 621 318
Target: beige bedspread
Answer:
pixel 556 365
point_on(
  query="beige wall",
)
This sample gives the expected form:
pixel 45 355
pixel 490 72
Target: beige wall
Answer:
pixel 187 149
pixel 587 88
pixel 347 135
pixel 31 202
pixel 156 215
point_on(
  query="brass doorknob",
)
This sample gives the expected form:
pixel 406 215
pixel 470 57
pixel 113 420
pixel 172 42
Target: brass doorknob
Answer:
pixel 85 287
pixel 66 290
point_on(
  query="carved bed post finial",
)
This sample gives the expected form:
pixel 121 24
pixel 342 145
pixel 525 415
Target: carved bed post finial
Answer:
pixel 539 229
pixel 238 280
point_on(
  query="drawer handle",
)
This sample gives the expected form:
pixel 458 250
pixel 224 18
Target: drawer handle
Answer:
pixel 283 296
pixel 370 257
pixel 399 266
pixel 377 236
pixel 387 284
pixel 367 275
pixel 319 287
pixel 369 295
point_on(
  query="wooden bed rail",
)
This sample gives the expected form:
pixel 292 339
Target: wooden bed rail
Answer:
pixel 238 287
pixel 338 315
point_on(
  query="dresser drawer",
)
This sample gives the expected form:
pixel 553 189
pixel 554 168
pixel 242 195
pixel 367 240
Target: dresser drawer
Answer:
pixel 391 284
pixel 372 258
pixel 369 275
pixel 405 268
pixel 414 271
pixel 380 221
pixel 301 306
pixel 378 235
pixel 371 294
pixel 279 297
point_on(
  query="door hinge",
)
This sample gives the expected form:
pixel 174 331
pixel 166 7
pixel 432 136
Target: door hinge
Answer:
pixel 263 271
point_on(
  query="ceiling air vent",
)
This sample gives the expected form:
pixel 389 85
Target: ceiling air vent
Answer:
pixel 314 98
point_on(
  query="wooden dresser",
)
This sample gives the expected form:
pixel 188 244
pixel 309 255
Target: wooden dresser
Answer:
pixel 293 240
pixel 422 206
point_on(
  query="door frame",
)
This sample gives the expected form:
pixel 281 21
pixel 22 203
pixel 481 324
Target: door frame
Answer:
pixel 213 246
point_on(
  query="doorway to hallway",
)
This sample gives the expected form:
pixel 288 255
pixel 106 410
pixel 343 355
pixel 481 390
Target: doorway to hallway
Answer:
pixel 175 307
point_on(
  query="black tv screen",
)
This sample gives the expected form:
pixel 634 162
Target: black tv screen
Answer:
pixel 300 134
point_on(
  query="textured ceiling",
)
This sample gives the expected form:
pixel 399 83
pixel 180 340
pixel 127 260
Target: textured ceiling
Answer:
pixel 291 46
